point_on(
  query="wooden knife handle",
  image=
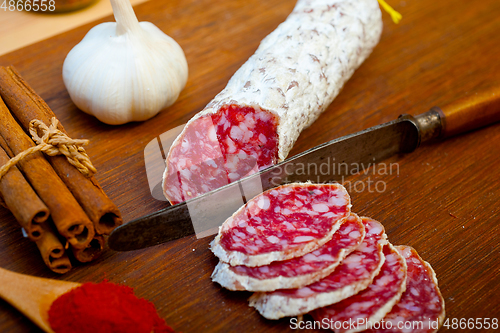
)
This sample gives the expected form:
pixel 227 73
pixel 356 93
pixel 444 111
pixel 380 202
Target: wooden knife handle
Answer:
pixel 470 112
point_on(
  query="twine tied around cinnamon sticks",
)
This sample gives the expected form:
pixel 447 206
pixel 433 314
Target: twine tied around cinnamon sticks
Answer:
pixel 54 142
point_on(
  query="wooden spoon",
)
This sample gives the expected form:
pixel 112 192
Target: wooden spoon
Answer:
pixel 32 295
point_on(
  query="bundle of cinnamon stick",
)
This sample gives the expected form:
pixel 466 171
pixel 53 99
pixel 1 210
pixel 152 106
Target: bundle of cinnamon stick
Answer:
pixel 64 211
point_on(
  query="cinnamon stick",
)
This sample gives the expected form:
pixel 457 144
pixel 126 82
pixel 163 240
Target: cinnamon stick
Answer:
pixel 92 251
pixel 5 147
pixel 21 200
pixel 52 250
pixel 26 105
pixel 69 218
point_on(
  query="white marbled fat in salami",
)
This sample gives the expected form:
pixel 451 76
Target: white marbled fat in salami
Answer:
pixel 421 308
pixel 296 272
pixel 291 79
pixel 355 273
pixel 372 304
pixel 282 223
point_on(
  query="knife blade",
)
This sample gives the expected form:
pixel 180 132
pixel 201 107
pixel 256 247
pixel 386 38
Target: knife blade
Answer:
pixel 329 162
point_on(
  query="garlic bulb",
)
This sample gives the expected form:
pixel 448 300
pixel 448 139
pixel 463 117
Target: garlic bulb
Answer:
pixel 125 71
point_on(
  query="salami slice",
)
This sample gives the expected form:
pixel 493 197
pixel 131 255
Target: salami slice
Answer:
pixel 421 308
pixel 295 272
pixel 356 272
pixel 291 79
pixel 282 223
pixel 358 312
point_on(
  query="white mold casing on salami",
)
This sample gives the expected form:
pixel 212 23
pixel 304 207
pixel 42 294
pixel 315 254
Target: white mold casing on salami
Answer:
pixel 282 223
pixel 295 272
pixel 355 273
pixel 294 75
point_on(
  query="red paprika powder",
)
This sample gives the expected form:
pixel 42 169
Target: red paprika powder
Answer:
pixel 104 308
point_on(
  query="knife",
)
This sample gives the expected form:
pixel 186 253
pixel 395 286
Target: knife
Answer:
pixel 329 162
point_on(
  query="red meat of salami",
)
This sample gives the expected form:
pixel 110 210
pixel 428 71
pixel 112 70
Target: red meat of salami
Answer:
pixel 295 272
pixel 355 273
pixel 421 308
pixel 282 223
pixel 294 75
pixel 369 306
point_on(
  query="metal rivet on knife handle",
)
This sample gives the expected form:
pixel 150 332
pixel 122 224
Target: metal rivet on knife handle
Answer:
pixel 429 124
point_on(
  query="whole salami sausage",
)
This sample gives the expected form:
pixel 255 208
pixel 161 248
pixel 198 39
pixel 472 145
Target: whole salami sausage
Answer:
pixel 421 308
pixel 282 223
pixel 295 272
pixel 293 76
pixel 355 273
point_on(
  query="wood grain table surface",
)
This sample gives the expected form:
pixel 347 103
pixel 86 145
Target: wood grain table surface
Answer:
pixel 443 199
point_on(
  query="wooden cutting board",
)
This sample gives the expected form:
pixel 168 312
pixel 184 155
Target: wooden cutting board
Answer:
pixel 443 199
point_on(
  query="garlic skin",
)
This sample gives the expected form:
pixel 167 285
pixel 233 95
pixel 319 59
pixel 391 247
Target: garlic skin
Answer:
pixel 125 71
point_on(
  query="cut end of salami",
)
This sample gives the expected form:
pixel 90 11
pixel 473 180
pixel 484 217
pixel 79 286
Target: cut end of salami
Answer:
pixel 295 272
pixel 421 308
pixel 282 223
pixel 219 148
pixel 355 273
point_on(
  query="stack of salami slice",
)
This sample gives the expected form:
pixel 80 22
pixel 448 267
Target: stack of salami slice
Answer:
pixel 302 251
